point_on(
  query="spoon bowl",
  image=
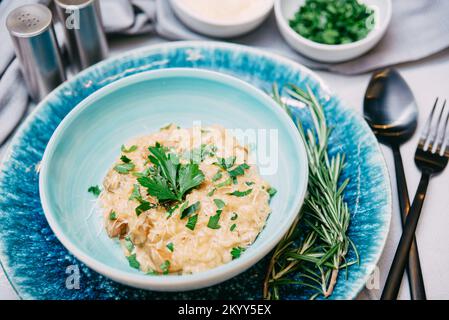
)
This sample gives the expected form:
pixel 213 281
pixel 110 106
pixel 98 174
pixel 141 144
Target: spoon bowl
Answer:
pixel 390 108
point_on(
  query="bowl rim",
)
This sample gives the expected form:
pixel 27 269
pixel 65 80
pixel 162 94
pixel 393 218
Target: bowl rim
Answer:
pixel 178 5
pixel 282 20
pixel 173 282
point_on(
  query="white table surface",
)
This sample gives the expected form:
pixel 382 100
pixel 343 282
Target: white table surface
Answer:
pixel 428 79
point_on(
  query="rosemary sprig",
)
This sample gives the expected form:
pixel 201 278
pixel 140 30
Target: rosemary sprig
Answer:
pixel 314 250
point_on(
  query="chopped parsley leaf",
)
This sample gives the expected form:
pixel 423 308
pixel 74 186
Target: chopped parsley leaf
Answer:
pixel 144 206
pixel 217 176
pixel 241 193
pixel 170 246
pixel 125 159
pixel 192 222
pixel 233 227
pixel 225 163
pixel 219 203
pixel 124 168
pixel 211 193
pixel 95 190
pixel 112 215
pixel 133 261
pixel 187 212
pixel 234 216
pixel 239 170
pixel 213 220
pixel 249 183
pixel 165 267
pixel 236 252
pixel 272 191
pixel 131 149
pixel 129 244
pixel 135 194
pixel 225 183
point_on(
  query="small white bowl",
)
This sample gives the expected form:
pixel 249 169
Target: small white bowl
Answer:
pixel 286 9
pixel 219 29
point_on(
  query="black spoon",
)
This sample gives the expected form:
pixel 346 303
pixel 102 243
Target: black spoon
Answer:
pixel 392 114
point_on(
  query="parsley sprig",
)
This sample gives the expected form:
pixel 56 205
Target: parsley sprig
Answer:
pixel 171 179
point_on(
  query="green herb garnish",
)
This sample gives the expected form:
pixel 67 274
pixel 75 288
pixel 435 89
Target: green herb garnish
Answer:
pixel 225 183
pixel 217 176
pixel 132 260
pixel 129 244
pixel 236 252
pixel 95 190
pixel 129 150
pixel 170 247
pixel 112 215
pixel 234 216
pixel 125 159
pixel 135 194
pixel 219 203
pixel 333 22
pixel 192 222
pixel 144 206
pixel 124 168
pixel 249 183
pixel 213 220
pixel 165 267
pixel 238 171
pixel 233 227
pixel 172 180
pixel 318 251
pixel 241 193
pixel 211 193
pixel 225 164
pixel 187 212
pixel 271 192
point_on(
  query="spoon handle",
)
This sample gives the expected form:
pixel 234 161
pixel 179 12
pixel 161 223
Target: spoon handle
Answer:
pixel 415 278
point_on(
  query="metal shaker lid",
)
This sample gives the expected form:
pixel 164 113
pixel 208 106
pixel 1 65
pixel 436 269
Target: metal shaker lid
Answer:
pixel 78 3
pixel 29 21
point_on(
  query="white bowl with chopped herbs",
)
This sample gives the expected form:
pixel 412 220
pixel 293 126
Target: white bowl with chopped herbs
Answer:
pixel 333 30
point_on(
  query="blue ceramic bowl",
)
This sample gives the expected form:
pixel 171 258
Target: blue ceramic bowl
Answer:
pixel 88 141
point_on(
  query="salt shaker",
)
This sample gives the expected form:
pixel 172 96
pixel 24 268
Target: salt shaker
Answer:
pixel 85 38
pixel 33 36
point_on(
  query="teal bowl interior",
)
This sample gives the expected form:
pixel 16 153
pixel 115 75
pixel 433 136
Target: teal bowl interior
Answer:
pixel 88 141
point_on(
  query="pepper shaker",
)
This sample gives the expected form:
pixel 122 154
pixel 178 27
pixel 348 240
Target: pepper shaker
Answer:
pixel 33 36
pixel 85 38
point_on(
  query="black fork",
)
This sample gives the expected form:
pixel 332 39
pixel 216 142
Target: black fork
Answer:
pixel 431 157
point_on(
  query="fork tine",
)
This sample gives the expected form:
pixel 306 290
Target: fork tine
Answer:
pixel 433 128
pixel 444 149
pixel 440 131
pixel 426 130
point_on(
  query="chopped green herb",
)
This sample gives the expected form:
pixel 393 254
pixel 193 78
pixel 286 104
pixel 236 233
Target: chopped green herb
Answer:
pixel 151 272
pixel 236 252
pixel 171 210
pixel 135 194
pixel 225 164
pixel 124 168
pixel 172 180
pixel 95 190
pixel 225 183
pixel 241 193
pixel 272 191
pixel 198 155
pixel 219 203
pixel 213 220
pixel 238 171
pixel 165 267
pixel 217 176
pixel 211 193
pixel 131 149
pixel 234 216
pixel 132 260
pixel 333 22
pixel 233 227
pixel 187 212
pixel 249 183
pixel 129 244
pixel 144 206
pixel 125 159
pixel 112 215
pixel 192 222
pixel 170 246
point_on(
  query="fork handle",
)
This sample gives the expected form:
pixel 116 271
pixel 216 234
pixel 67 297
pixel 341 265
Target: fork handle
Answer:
pixel 415 278
pixel 400 260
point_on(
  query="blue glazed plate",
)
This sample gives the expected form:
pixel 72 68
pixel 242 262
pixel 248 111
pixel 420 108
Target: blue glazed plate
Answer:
pixel 39 267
